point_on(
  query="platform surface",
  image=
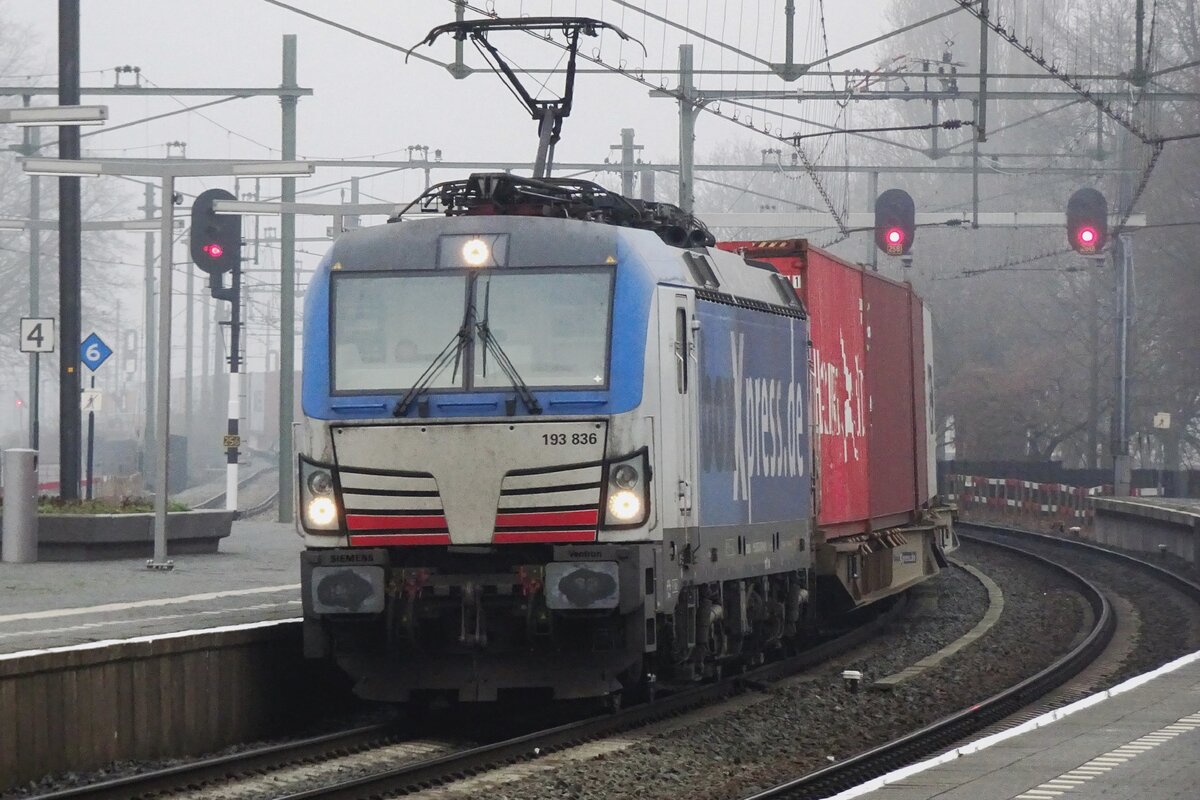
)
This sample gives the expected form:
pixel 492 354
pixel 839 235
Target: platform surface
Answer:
pixel 1152 506
pixel 1139 740
pixel 254 577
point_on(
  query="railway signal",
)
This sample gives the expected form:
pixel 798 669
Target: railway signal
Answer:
pixel 217 249
pixel 895 222
pixel 216 238
pixel 1087 221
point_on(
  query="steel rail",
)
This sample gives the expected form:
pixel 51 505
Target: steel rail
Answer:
pixel 1188 587
pixel 258 508
pixel 222 768
pixel 217 499
pixel 943 733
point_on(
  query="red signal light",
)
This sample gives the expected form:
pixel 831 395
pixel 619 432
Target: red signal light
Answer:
pixel 213 250
pixel 1087 236
pixel 895 236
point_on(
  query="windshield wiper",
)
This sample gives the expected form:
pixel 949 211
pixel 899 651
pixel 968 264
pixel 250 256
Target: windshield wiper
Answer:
pixel 452 350
pixel 506 366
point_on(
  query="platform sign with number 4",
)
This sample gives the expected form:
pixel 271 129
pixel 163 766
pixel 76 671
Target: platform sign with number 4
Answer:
pixel 37 334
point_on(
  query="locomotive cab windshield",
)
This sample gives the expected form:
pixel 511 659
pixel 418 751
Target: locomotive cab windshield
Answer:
pixel 390 329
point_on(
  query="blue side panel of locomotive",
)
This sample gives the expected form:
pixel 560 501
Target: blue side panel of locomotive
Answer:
pixel 314 381
pixel 754 443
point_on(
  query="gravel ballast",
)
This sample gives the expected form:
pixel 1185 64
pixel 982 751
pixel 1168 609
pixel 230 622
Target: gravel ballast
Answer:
pixel 804 724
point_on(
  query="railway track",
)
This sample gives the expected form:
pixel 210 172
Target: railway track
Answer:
pixel 221 768
pixel 1003 709
pixel 439 769
pixel 218 500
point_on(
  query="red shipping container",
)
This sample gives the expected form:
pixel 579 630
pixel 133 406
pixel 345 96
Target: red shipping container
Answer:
pixel 891 436
pixel 867 377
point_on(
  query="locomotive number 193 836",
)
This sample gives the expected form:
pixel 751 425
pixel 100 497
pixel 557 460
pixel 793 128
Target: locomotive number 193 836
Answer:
pixel 556 439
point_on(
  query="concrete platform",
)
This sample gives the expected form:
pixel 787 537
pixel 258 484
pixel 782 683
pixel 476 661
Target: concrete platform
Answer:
pixel 1150 525
pixel 1138 740
pixel 254 577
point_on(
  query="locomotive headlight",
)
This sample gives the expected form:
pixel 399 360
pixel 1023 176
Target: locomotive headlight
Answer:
pixel 626 484
pixel 321 511
pixel 317 502
pixel 320 482
pixel 624 506
pixel 625 476
pixel 476 253
pixel 457 250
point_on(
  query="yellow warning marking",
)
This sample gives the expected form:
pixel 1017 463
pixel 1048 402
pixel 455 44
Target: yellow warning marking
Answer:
pixel 610 260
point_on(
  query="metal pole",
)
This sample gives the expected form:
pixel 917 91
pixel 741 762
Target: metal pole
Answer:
pixel 35 398
pixel 1093 434
pixel 458 69
pixel 1123 261
pixel 91 443
pixel 287 289
pixel 149 342
pixel 32 145
pixel 1138 78
pixel 235 393
pixel 648 184
pixel 1123 256
pixel 162 409
pixel 205 377
pixel 789 16
pixel 981 111
pixel 934 152
pixel 975 172
pixel 354 221
pixel 687 130
pixel 627 162
pixel 872 195
pixel 189 323
pixel 70 256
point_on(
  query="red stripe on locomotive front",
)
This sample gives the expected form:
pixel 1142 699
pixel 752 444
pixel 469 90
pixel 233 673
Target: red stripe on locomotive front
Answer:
pixel 382 522
pixel 531 519
pixel 376 539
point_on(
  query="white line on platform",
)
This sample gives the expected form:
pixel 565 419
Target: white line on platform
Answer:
pixel 1048 718
pixel 248 626
pixel 158 601
pixel 142 620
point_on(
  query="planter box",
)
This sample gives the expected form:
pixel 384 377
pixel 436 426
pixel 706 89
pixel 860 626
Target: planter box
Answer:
pixel 89 537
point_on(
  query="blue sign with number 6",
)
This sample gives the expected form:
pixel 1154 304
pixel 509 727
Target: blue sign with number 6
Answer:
pixel 94 352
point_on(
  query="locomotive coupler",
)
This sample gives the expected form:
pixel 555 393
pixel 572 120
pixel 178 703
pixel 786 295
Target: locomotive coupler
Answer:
pixel 472 632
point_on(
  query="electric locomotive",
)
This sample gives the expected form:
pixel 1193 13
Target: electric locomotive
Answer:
pixel 554 441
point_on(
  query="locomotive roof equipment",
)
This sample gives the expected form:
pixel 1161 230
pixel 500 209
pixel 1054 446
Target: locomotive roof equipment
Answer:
pixel 550 113
pixel 499 193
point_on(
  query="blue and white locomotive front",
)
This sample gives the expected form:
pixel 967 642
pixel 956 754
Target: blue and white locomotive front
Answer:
pixel 476 455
